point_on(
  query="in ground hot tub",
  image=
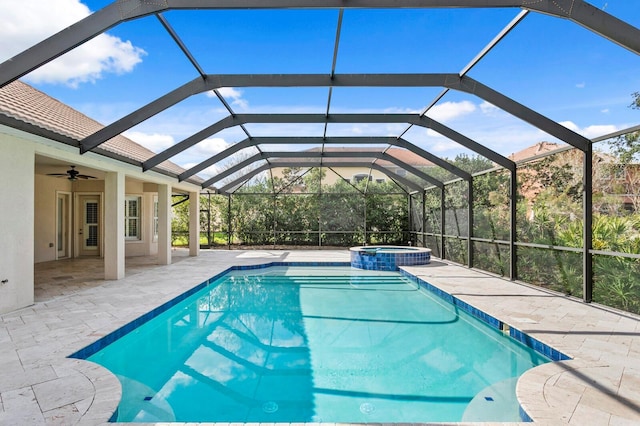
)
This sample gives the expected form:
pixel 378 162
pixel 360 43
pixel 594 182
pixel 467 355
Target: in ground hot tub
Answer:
pixel 388 258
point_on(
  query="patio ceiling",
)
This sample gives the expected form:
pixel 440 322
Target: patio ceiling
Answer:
pixel 251 130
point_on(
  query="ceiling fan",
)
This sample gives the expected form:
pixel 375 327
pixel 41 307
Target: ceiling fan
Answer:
pixel 72 174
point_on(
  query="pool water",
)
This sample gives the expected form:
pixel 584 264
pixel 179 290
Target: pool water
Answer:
pixel 321 344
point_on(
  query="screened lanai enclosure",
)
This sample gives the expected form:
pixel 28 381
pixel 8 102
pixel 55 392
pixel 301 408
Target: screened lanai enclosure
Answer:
pixel 405 122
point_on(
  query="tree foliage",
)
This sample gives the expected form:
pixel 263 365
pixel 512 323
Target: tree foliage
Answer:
pixel 626 148
pixel 300 209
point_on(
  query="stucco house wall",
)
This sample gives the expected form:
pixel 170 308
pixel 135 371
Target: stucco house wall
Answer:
pixel 16 222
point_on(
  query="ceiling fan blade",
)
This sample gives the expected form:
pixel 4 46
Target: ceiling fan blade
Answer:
pixel 85 177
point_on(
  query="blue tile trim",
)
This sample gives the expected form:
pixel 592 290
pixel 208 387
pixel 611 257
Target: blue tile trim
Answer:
pixel 381 261
pixel 537 345
pixel 524 416
pixel 94 347
pixel 518 335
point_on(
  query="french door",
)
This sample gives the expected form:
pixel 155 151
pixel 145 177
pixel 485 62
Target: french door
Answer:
pixel 90 225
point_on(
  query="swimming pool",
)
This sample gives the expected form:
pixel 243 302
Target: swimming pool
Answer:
pixel 301 344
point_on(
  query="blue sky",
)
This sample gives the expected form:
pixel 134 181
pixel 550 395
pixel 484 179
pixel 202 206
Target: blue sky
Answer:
pixel 551 65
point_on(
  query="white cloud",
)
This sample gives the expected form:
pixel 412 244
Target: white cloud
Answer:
pixel 443 146
pixel 489 108
pixel 34 20
pixel 450 110
pixel 206 173
pixel 234 94
pixel 356 130
pixel 393 110
pixel 581 85
pixel 605 111
pixel 156 142
pixel 590 132
pixel 212 146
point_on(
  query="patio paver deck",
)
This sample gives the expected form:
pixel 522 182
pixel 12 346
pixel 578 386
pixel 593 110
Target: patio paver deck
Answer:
pixel 74 307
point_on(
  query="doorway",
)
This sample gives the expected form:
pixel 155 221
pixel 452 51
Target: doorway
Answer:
pixel 89 230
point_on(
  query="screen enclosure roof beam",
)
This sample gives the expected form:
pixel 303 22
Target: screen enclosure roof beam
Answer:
pixel 238 119
pixel 303 156
pixel 319 162
pixel 310 140
pixel 579 11
pixel 453 81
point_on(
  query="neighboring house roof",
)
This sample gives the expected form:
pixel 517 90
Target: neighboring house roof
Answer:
pixel 25 103
pixel 536 149
pixel 401 154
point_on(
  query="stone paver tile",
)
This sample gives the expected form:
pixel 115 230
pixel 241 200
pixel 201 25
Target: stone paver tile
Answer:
pixel 612 404
pixel 99 413
pixel 16 378
pixel 62 416
pixel 4 335
pixel 8 355
pixel 34 355
pixel 571 383
pixel 563 400
pixel 12 319
pixel 585 415
pixel 83 405
pixel 621 421
pixel 20 408
pixel 630 382
pixel 634 350
pixel 62 391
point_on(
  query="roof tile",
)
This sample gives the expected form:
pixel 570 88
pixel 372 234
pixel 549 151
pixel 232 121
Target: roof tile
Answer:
pixel 22 102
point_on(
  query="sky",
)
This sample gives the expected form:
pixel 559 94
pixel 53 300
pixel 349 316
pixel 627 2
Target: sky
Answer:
pixel 551 65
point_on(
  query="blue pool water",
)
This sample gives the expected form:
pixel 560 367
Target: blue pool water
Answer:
pixel 330 344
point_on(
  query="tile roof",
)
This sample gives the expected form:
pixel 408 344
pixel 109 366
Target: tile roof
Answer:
pixel 401 154
pixel 22 102
pixel 535 149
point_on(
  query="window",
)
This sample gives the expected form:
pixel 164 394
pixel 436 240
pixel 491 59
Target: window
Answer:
pixel 379 180
pixel 155 218
pixel 132 218
pixel 360 177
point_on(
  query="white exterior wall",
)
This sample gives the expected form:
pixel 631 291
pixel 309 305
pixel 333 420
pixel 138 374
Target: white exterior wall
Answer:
pixel 17 192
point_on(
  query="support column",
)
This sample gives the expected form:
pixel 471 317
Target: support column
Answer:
pixel 114 189
pixel 229 222
pixel 194 223
pixel 587 205
pixel 409 217
pixel 470 224
pixel 17 215
pixel 443 215
pixel 513 231
pixel 164 224
pixel 424 218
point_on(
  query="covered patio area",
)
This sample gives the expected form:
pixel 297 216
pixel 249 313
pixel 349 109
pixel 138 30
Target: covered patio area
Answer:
pixel 62 278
